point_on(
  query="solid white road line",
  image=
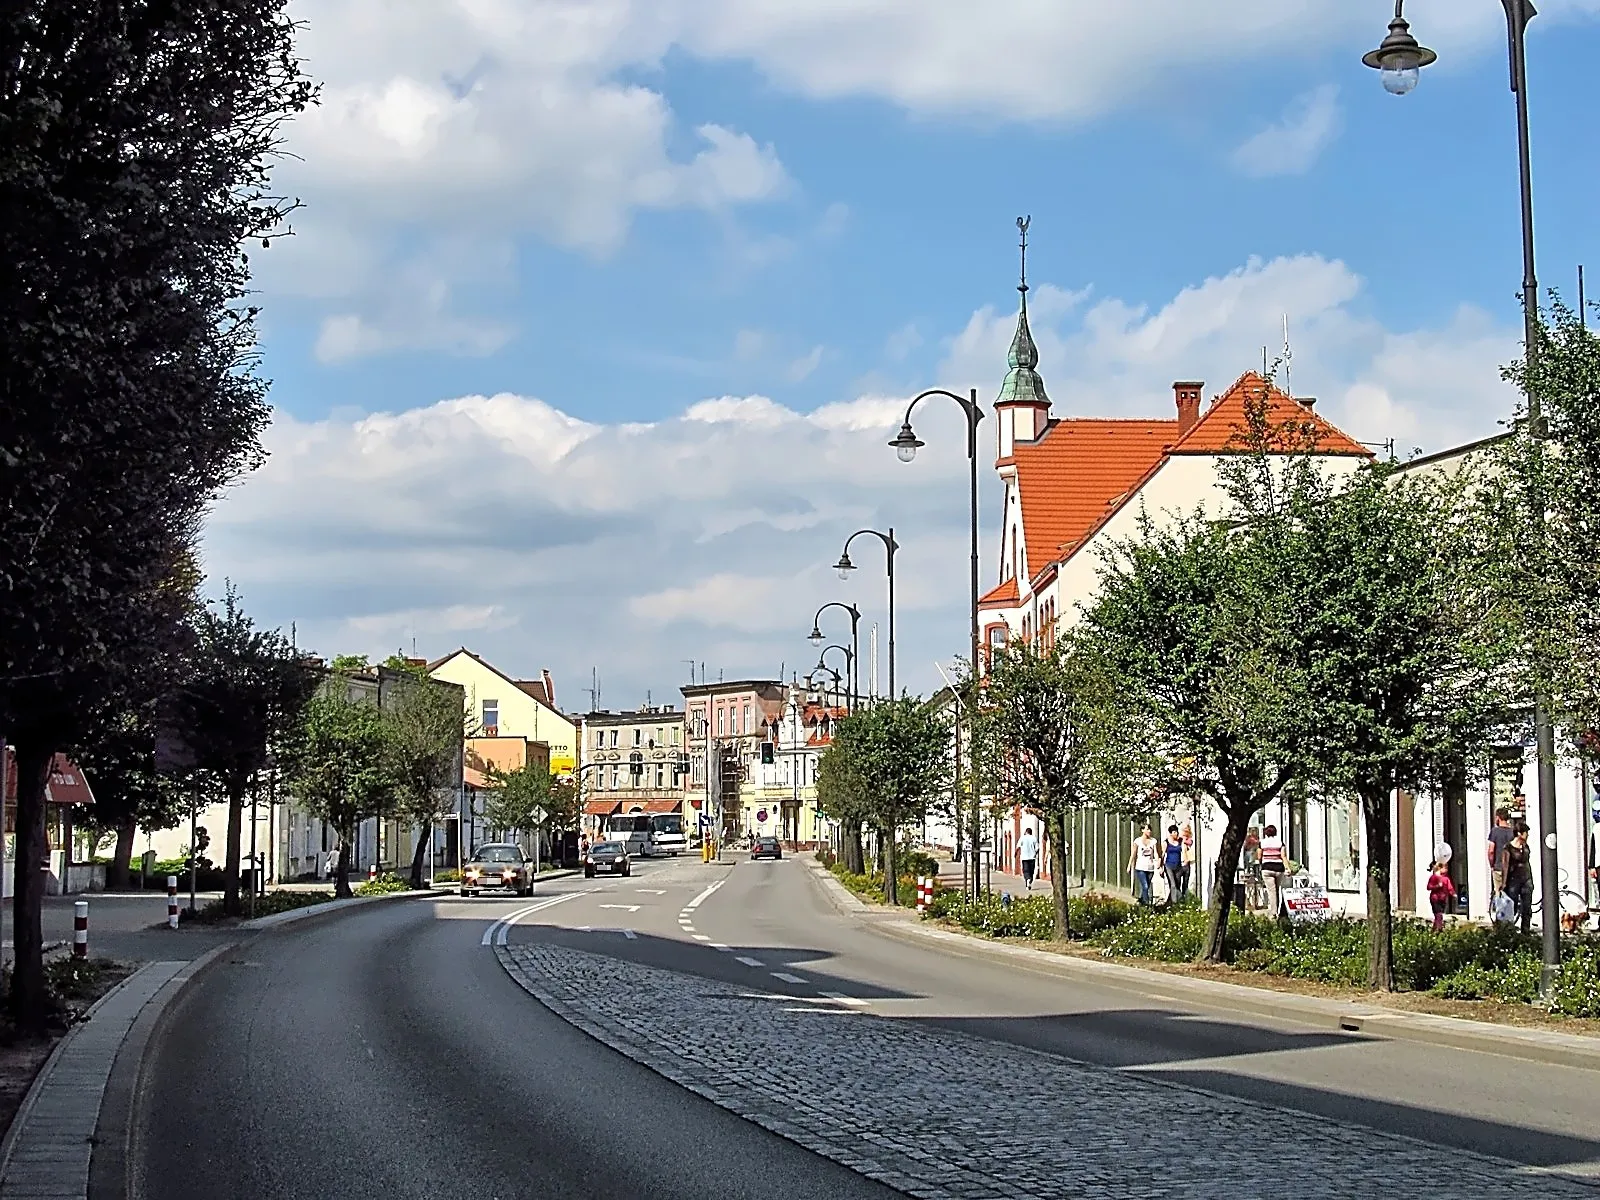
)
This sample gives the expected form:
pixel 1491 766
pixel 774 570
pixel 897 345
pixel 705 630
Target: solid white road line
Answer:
pixel 720 946
pixel 701 898
pixel 751 962
pixel 495 935
pixel 786 977
pixel 700 937
pixel 854 1001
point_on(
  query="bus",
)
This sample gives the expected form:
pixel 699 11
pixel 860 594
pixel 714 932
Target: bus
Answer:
pixel 634 831
pixel 666 833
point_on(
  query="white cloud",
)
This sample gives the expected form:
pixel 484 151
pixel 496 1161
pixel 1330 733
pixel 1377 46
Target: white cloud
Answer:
pixel 541 539
pixel 1292 144
pixel 801 368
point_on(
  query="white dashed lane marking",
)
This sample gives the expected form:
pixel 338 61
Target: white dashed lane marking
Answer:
pixel 751 962
pixel 787 978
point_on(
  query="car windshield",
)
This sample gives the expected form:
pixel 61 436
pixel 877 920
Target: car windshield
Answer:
pixel 498 854
pixel 608 848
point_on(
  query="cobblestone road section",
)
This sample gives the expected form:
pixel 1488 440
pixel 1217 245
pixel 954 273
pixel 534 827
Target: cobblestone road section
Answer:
pixel 939 1115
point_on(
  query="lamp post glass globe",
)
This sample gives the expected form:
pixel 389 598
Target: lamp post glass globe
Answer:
pixel 844 566
pixel 1398 81
pixel 907 443
pixel 815 637
pixel 1400 59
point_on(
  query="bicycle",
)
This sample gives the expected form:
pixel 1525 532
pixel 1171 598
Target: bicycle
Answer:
pixel 1576 911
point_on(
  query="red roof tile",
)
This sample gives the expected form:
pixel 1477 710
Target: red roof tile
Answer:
pixel 1077 473
pixel 1225 425
pixel 1003 596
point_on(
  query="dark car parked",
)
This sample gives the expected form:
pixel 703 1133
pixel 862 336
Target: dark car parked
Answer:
pixel 765 847
pixel 610 857
pixel 500 866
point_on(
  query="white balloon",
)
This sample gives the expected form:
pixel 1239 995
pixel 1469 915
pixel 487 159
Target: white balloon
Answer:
pixel 1442 852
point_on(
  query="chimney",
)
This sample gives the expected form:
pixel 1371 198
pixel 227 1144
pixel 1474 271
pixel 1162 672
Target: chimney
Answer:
pixel 1309 401
pixel 1187 394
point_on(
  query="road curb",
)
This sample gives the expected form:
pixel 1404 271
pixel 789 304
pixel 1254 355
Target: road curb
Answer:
pixel 1354 1015
pixel 841 897
pixel 67 1150
pixel 328 906
pixel 110 1163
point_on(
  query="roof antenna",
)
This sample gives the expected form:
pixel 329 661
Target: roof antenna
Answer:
pixel 1583 315
pixel 1022 229
pixel 1288 357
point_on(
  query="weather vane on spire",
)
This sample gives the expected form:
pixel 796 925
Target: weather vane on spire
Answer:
pixel 1022 228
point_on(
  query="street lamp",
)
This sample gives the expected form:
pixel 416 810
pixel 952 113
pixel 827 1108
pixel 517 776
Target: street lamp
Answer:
pixel 906 445
pixel 844 566
pixel 1403 59
pixel 1400 58
pixel 815 638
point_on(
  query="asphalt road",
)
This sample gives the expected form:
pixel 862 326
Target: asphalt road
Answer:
pixel 386 1050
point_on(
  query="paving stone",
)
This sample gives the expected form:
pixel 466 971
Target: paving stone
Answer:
pixel 858 1088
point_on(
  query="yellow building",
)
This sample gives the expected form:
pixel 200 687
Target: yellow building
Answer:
pixel 499 706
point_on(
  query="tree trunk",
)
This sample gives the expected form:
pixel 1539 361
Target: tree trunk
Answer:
pixel 1380 916
pixel 424 840
pixel 341 877
pixel 891 866
pixel 1224 876
pixel 122 857
pixel 1055 825
pixel 855 858
pixel 231 905
pixel 30 1005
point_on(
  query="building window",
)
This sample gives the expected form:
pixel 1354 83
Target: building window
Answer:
pixel 744 725
pixel 1344 845
pixel 491 717
pixel 613 737
pixel 599 738
pixel 660 782
pixel 721 715
pixel 613 779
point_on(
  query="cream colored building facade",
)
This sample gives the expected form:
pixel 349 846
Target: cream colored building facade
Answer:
pixel 499 705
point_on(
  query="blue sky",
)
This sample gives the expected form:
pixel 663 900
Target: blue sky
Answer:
pixel 693 250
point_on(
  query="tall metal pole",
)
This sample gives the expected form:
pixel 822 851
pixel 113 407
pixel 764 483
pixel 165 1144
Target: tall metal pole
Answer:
pixel 893 695
pixel 973 415
pixel 1518 14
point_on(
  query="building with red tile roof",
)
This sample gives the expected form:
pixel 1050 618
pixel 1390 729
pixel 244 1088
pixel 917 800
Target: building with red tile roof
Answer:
pixel 1074 484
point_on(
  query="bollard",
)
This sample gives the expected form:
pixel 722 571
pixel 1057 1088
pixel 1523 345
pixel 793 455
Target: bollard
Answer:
pixel 172 901
pixel 372 873
pixel 924 894
pixel 80 929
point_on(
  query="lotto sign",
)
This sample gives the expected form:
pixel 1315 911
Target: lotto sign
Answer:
pixel 1306 902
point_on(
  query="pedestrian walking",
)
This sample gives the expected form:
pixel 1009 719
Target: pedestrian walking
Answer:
pixel 1500 835
pixel 1441 891
pixel 1172 864
pixel 1518 867
pixel 1142 862
pixel 1028 851
pixel 1188 858
pixel 1272 869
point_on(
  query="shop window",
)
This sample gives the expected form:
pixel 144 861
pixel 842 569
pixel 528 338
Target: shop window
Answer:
pixel 1344 845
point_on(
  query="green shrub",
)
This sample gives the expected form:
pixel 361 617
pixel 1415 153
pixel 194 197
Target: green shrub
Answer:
pixel 1164 936
pixel 266 906
pixel 916 864
pixel 449 875
pixel 826 857
pixel 1096 912
pixel 1027 917
pixel 383 885
pixel 1576 992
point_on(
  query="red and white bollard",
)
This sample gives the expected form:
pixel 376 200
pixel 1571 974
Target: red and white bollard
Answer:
pixel 80 929
pixel 372 873
pixel 924 893
pixel 172 901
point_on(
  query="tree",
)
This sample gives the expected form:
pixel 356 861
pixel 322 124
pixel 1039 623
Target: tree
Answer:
pixel 841 796
pixel 134 141
pixel 532 800
pixel 119 757
pixel 896 756
pixel 338 764
pixel 1049 737
pixel 1204 699
pixel 244 689
pixel 426 720
pixel 1404 649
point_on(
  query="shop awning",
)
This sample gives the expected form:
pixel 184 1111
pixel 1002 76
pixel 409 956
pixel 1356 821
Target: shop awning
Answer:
pixel 662 806
pixel 67 784
pixel 600 808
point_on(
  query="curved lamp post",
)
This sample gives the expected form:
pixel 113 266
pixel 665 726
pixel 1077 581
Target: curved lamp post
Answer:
pixel 815 638
pixel 906 445
pixel 849 660
pixel 844 566
pixel 1401 58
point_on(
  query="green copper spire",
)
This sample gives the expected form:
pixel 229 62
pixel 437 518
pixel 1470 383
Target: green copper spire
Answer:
pixel 1023 384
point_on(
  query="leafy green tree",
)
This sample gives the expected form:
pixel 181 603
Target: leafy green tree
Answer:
pixel 245 688
pixel 119 757
pixel 1204 705
pixel 897 756
pixel 134 145
pixel 1403 646
pixel 841 796
pixel 532 800
pixel 1048 731
pixel 339 765
pixel 426 720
